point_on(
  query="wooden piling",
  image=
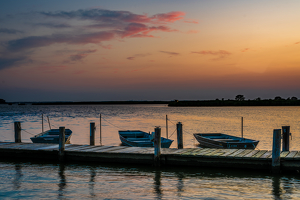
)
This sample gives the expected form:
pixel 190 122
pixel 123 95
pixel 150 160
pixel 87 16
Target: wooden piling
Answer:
pixel 179 136
pixel 157 146
pixel 285 138
pixel 276 151
pixel 100 130
pixel 17 132
pixel 167 132
pixel 242 127
pixel 61 145
pixel 92 133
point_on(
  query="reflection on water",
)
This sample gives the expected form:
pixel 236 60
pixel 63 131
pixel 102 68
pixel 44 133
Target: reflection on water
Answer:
pixel 18 176
pixel 62 182
pixel 157 184
pixel 74 181
pixel 92 182
pixel 277 191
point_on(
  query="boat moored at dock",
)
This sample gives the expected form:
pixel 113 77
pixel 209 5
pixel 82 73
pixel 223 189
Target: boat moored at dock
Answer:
pixel 51 136
pixel 137 138
pixel 224 141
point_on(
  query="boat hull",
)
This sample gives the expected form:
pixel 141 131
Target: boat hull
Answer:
pixel 223 141
pixel 51 136
pixel 136 138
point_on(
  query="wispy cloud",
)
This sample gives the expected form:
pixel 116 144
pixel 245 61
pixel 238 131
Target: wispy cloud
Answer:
pixel 40 41
pixel 121 24
pixel 297 43
pixel 54 25
pixel 81 54
pixel 9 62
pixel 245 49
pixel 137 56
pixel 170 53
pixel 219 54
pixel 9 31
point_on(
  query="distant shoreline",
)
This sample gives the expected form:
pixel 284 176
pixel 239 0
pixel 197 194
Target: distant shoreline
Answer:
pixel 176 103
pixel 220 103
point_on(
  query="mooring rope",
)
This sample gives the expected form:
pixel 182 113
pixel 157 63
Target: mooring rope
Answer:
pixel 24 130
pixel 112 124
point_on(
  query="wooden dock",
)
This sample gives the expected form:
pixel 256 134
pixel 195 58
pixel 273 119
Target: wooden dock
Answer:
pixel 196 157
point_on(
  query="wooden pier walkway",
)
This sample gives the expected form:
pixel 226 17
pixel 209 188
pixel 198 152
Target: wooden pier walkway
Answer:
pixel 197 157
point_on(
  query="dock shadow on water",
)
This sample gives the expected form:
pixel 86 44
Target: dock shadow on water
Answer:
pixel 27 180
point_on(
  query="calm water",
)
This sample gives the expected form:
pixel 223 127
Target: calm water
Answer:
pixel 27 180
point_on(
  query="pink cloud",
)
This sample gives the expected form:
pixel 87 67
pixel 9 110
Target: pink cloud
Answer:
pixel 215 53
pixel 297 43
pixel 171 53
pixel 191 21
pixel 246 49
pixel 130 58
pixel 138 55
pixel 169 17
pixel 220 54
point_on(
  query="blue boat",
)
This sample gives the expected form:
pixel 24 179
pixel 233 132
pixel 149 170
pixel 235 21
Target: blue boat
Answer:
pixel 51 136
pixel 224 141
pixel 137 138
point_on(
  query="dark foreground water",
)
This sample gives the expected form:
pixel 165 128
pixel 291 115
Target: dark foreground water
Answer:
pixel 32 180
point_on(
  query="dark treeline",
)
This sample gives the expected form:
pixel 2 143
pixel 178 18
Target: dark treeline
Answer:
pixel 100 102
pixel 240 101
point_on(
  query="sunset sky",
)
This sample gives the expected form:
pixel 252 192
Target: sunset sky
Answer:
pixel 95 50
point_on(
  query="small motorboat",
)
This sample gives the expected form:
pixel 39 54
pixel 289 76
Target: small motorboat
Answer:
pixel 223 141
pixel 51 136
pixel 137 138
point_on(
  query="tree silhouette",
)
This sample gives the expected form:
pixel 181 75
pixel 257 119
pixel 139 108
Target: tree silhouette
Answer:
pixel 239 97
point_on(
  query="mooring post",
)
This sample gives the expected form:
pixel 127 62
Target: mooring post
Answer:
pixel 61 146
pixel 17 132
pixel 285 138
pixel 167 132
pixel 276 151
pixel 179 135
pixel 157 146
pixel 100 131
pixel 242 127
pixel 92 133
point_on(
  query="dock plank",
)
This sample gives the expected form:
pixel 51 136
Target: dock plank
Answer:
pixel 284 154
pixel 13 145
pixel 75 148
pixel 267 154
pixel 236 153
pixel 129 150
pixel 252 153
pixel 242 154
pixel 48 147
pixel 297 156
pixel 179 151
pixel 291 155
pixel 212 152
pixel 220 153
pixel 112 148
pixel 259 154
pixel 185 151
pixel 228 152
pixel 95 149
